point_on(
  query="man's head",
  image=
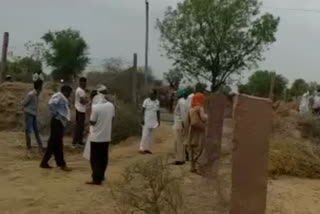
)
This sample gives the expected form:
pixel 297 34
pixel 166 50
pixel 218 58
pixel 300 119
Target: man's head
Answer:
pixel 83 82
pixel 66 91
pixel 37 85
pixel 102 89
pixel 200 88
pixel 153 94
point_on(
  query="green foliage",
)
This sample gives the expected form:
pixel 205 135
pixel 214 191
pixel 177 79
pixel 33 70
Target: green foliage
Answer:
pixel 173 77
pixel 214 39
pixel 21 69
pixel 260 82
pixel 313 87
pixel 299 87
pixel 67 53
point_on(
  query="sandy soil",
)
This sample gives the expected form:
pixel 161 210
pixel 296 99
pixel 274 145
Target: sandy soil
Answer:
pixel 26 189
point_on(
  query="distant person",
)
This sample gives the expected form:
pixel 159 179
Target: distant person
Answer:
pixel 180 115
pixel 100 97
pixel 316 103
pixel 101 118
pixel 59 107
pixel 150 121
pixel 196 125
pixel 30 105
pixel 38 76
pixel 81 101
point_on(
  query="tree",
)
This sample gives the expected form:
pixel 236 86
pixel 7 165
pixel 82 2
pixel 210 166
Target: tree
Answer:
pixel 299 87
pixel 67 54
pixel 260 82
pixel 215 39
pixel 21 69
pixel 114 64
pixel 173 77
pixel 36 50
pixel 313 87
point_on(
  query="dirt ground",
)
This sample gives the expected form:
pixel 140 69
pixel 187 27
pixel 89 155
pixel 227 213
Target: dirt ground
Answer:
pixel 27 189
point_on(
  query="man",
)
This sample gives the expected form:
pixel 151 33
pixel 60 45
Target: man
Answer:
pixel 102 115
pixel 80 106
pixel 316 103
pixel 59 107
pixel 150 121
pixel 30 104
pixel 180 115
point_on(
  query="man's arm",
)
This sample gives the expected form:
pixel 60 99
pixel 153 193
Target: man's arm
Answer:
pixel 83 100
pixel 93 117
pixel 158 116
pixel 26 100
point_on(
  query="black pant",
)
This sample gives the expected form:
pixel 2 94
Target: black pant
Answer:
pixel 99 153
pixel 79 128
pixel 55 144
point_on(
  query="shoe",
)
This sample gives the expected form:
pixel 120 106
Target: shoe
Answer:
pixel 179 163
pixel 93 183
pixel 66 169
pixel 45 166
pixel 148 152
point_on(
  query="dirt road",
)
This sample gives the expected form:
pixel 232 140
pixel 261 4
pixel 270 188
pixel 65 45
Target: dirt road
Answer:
pixel 27 189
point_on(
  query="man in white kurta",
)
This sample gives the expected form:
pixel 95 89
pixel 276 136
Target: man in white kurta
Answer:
pixel 150 121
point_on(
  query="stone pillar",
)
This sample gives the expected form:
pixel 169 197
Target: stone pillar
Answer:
pixel 253 118
pixel 215 108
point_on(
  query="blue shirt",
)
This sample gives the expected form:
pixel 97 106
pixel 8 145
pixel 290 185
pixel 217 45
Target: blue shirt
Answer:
pixel 59 107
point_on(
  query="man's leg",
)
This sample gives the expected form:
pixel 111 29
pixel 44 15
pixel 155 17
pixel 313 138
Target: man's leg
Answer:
pixel 36 132
pixel 149 139
pixel 50 147
pixel 82 121
pixel 105 158
pixel 143 142
pixel 180 151
pixel 96 161
pixel 28 129
pixel 58 144
pixel 76 130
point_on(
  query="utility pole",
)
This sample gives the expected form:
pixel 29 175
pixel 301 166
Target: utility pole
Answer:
pixel 4 56
pixel 134 79
pixel 147 46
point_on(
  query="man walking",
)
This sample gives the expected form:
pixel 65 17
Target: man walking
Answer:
pixel 81 101
pixel 150 121
pixel 59 107
pixel 30 104
pixel 102 115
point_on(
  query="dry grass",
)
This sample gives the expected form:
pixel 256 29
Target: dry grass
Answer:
pixel 149 187
pixel 295 158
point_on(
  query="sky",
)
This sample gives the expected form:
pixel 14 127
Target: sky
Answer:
pixel 117 29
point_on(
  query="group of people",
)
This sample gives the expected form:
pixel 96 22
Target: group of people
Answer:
pixel 94 115
pixel 310 103
pixel 190 121
pixel 99 111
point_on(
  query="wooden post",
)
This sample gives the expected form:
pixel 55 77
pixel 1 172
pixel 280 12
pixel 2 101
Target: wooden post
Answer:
pixel 4 55
pixel 147 47
pixel 134 79
pixel 273 82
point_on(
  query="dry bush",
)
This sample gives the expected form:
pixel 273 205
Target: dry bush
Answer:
pixel 295 158
pixel 310 127
pixel 126 123
pixel 149 187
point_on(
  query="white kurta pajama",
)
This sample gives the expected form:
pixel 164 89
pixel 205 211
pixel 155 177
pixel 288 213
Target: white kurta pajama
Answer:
pixel 150 123
pixel 179 117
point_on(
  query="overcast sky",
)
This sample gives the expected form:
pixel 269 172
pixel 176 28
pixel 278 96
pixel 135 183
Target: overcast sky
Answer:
pixel 116 29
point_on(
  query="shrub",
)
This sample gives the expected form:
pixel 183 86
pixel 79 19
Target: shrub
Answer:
pixel 295 158
pixel 126 123
pixel 310 127
pixel 149 187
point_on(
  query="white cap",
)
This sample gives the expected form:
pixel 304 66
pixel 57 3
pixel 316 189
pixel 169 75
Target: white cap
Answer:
pixel 101 88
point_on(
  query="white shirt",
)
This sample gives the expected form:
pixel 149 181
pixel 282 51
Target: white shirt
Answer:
pixel 102 114
pixel 150 114
pixel 180 113
pixel 316 101
pixel 80 93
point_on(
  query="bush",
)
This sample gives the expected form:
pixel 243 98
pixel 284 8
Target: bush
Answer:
pixel 126 123
pixel 149 187
pixel 294 158
pixel 310 127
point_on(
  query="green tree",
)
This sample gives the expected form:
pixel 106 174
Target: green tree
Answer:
pixel 260 82
pixel 21 69
pixel 173 77
pixel 214 39
pixel 313 87
pixel 67 54
pixel 299 87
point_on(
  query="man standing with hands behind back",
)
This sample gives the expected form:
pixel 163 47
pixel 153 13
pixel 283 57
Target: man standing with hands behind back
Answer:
pixel 150 121
pixel 81 101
